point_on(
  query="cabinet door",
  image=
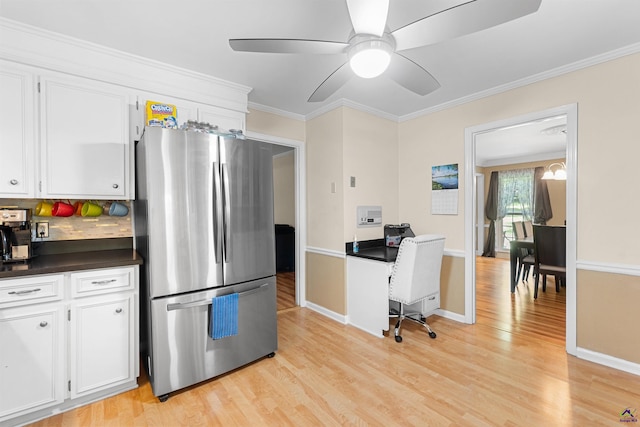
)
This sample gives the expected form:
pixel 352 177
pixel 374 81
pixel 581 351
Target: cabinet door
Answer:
pixel 186 111
pixel 102 342
pixel 224 119
pixel 84 131
pixel 31 358
pixel 17 132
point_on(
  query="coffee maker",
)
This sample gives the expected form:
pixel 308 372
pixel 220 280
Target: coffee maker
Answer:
pixel 15 235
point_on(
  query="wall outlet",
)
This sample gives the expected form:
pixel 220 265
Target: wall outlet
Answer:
pixel 42 230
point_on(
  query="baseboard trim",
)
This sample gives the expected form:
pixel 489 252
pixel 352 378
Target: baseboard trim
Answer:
pixel 328 313
pixel 456 317
pixel 610 361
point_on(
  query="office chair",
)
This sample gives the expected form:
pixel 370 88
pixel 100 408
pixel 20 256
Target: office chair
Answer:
pixel 415 276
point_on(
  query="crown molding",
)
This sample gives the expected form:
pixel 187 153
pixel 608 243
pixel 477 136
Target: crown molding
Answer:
pixel 276 111
pixel 343 102
pixel 575 66
pixel 48 50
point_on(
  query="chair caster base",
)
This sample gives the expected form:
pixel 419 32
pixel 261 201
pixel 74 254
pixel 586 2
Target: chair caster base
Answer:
pixel 398 338
pixel 432 335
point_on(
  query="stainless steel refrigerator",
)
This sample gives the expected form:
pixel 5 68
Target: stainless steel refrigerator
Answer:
pixel 204 226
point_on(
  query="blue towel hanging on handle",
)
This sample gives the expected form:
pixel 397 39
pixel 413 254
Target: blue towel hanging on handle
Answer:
pixel 224 316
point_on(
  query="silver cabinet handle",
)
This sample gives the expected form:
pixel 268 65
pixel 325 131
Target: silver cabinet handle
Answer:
pixel 103 282
pixel 13 182
pixel 25 292
pixel 217 207
pixel 227 213
pixel 118 310
pixel 43 324
pixel 183 305
pixel 115 185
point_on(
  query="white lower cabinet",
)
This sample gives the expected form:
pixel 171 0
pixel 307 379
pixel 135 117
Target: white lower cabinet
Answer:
pixel 31 358
pixel 101 343
pixel 57 355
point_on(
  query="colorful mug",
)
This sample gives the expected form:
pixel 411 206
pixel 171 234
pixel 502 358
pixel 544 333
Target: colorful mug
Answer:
pixel 91 209
pixel 44 209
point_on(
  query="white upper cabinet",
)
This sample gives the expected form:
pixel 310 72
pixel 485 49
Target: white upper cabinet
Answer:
pixel 84 129
pixel 224 119
pixel 17 132
pixel 186 111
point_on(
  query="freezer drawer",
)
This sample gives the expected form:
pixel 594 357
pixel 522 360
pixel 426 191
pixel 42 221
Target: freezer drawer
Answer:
pixel 182 352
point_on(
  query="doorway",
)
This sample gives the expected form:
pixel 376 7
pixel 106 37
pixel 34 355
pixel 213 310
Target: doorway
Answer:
pixel 285 224
pixel 296 150
pixel 472 136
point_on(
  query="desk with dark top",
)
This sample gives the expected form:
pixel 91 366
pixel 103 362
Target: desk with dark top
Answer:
pixel 368 273
pixel 514 247
pixel 373 249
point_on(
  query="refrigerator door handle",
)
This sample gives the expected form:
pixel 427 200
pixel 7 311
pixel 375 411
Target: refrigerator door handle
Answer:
pixel 183 305
pixel 227 212
pixel 217 199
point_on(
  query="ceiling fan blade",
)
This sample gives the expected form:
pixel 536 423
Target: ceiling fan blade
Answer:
pixel 410 75
pixel 287 46
pixel 465 18
pixel 368 16
pixel 332 83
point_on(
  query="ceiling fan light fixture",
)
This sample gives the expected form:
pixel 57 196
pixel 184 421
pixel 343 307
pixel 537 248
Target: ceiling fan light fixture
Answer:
pixel 370 58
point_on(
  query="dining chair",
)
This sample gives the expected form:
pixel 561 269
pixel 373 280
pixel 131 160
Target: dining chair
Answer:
pixel 525 259
pixel 528 228
pixel 550 253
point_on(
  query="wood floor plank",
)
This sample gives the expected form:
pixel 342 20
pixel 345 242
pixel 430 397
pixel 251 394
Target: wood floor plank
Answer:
pixel 286 290
pixel 509 369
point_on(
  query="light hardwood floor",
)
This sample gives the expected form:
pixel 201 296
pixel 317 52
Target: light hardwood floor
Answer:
pixel 494 373
pixel 286 293
pixel 517 313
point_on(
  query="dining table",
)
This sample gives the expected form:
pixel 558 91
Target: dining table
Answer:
pixel 514 249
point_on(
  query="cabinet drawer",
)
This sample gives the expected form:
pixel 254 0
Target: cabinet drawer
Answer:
pixel 31 290
pixel 431 303
pixel 102 281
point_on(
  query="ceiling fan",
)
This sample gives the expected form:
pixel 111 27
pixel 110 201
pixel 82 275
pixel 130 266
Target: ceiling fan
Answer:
pixel 372 49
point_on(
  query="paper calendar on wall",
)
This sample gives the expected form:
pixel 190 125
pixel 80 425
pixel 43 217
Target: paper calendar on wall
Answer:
pixel 444 189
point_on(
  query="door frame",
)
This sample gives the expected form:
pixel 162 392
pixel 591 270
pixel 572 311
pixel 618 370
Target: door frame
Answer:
pixel 300 206
pixel 571 112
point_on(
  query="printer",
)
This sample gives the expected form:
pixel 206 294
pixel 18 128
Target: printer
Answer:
pixel 393 234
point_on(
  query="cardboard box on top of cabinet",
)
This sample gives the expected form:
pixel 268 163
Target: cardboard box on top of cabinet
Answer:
pixel 161 115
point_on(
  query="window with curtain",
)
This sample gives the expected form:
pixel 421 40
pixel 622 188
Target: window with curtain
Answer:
pixel 515 203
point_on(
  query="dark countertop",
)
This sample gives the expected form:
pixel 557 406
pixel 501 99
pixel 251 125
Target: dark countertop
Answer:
pixel 60 263
pixel 373 249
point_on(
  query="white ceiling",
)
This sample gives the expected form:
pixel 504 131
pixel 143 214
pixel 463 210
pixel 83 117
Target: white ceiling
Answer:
pixel 194 34
pixel 534 141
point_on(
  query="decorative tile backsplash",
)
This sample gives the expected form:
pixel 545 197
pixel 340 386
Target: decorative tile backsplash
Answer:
pixel 76 227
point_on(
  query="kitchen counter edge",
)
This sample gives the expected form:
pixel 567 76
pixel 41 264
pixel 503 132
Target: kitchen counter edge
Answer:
pixel 61 263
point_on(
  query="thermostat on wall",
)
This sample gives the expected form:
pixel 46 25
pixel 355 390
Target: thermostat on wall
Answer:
pixel 369 216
